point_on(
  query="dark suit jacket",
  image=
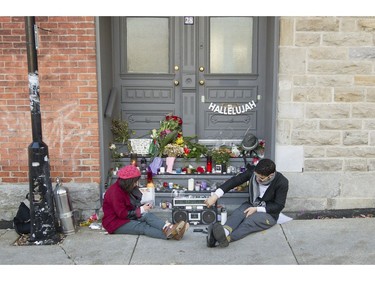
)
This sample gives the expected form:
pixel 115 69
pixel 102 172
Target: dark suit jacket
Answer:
pixel 275 195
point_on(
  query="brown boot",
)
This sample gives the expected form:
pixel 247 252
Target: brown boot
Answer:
pixel 171 230
pixel 181 231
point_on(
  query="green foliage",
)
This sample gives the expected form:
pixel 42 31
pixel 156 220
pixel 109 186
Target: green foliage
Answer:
pixel 120 130
pixel 195 149
pixel 221 155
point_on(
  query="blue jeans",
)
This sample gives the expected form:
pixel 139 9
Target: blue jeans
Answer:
pixel 149 225
pixel 242 226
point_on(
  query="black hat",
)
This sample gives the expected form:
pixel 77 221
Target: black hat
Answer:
pixel 249 142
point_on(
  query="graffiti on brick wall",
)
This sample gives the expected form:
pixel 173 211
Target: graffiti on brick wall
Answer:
pixel 67 134
pixel 63 132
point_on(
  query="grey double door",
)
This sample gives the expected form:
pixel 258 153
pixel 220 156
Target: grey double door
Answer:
pixel 211 71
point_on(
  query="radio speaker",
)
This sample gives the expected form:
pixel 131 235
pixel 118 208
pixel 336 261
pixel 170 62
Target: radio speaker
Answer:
pixel 208 216
pixel 179 215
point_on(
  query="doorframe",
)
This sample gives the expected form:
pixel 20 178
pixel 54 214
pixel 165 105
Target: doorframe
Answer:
pixel 272 84
pixel 105 80
pixel 104 70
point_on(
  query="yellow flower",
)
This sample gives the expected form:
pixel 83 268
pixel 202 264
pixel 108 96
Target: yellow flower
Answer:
pixel 180 141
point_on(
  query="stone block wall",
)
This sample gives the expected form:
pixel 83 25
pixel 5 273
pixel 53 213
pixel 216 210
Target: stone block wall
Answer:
pixel 326 104
pixel 84 198
pixel 327 94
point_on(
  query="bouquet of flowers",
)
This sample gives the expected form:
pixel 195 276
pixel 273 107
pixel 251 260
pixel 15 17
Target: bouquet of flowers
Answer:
pixel 194 149
pixel 170 131
pixel 173 150
pixel 221 155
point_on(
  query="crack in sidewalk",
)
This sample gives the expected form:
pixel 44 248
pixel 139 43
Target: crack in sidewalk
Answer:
pixel 290 247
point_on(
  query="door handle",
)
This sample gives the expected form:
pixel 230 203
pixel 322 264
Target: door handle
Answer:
pixel 201 69
pixel 201 82
pixel 176 82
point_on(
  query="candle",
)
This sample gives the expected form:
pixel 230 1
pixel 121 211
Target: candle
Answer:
pixel 191 184
pixel 133 159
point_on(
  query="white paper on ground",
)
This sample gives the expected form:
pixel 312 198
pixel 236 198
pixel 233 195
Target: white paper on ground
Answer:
pixel 283 218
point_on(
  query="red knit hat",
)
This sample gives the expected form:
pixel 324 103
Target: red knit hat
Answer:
pixel 128 172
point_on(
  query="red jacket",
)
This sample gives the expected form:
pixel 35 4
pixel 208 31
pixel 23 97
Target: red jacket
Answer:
pixel 118 208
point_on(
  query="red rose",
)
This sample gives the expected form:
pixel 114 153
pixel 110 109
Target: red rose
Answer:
pixel 186 150
pixel 200 170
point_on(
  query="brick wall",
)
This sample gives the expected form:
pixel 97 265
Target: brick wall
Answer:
pixel 326 91
pixel 68 96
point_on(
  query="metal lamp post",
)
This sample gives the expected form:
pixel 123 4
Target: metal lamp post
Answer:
pixel 42 213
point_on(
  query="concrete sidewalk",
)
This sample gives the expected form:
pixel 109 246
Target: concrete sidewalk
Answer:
pixel 298 242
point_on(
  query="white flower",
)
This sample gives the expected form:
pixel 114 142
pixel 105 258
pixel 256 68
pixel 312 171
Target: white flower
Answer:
pixel 112 146
pixel 235 151
pixel 154 134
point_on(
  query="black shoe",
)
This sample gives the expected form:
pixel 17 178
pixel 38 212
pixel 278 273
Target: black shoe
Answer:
pixel 219 234
pixel 211 241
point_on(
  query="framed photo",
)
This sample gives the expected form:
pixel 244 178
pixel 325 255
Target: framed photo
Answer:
pixel 218 169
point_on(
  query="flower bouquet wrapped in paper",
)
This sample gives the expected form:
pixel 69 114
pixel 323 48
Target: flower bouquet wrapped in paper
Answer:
pixel 170 131
pixel 172 150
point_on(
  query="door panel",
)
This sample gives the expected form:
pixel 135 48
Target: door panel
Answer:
pixel 141 33
pixel 212 93
pixel 218 93
pixel 146 81
pixel 230 52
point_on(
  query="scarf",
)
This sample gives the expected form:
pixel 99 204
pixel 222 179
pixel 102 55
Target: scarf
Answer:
pixel 254 190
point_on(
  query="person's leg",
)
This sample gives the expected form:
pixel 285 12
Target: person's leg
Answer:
pixel 237 217
pixel 141 227
pixel 154 226
pixel 256 222
pixel 153 220
pixel 221 233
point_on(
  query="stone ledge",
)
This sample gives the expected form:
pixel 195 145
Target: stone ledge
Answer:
pixel 85 199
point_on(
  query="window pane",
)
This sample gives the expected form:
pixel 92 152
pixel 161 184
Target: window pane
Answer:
pixel 147 45
pixel 231 41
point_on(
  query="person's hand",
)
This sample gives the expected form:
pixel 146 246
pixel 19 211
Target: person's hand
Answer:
pixel 147 207
pixel 249 211
pixel 211 200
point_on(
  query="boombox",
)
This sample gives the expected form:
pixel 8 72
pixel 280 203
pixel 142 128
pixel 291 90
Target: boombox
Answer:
pixel 193 210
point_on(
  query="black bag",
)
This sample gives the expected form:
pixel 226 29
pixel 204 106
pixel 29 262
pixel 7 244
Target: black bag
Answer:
pixel 21 221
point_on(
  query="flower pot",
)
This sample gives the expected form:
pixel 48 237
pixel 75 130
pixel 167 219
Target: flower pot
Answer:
pixel 170 162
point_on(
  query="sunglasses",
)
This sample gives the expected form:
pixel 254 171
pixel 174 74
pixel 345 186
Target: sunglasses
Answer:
pixel 263 178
